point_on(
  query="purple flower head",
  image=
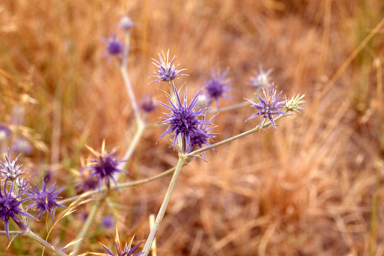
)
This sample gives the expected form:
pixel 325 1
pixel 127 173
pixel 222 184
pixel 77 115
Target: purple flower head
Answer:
pixel 115 47
pixel 107 222
pixel 44 200
pixel 147 104
pixel 199 139
pixel 166 70
pixel 10 170
pixel 104 166
pixel 88 183
pixel 22 184
pixel 126 23
pixel 269 106
pixel 184 120
pixel 22 146
pixel 128 251
pixel 5 133
pixel 10 208
pixel 261 78
pixel 216 86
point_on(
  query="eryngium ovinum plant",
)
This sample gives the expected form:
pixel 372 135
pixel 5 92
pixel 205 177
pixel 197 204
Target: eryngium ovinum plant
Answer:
pixel 189 122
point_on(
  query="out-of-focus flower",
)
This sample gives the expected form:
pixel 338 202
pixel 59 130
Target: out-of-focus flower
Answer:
pixel 44 200
pixel 216 86
pixel 10 170
pixel 147 104
pixel 261 79
pixel 108 222
pixel 166 70
pixel 126 23
pixel 103 167
pixel 17 116
pixel 10 208
pixel 5 133
pixel 115 47
pixel 184 120
pixel 269 106
pixel 294 103
pixel 22 146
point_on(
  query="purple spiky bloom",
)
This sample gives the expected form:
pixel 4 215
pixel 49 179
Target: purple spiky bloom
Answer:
pixel 166 70
pixel 269 106
pixel 261 78
pixel 115 47
pixel 10 170
pixel 10 208
pixel 103 167
pixel 128 251
pixel 126 23
pixel 184 120
pixel 216 86
pixel 5 133
pixel 22 146
pixel 44 200
pixel 147 104
pixel 199 139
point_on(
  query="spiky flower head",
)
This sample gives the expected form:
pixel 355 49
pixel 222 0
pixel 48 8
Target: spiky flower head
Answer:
pixel 115 47
pixel 216 86
pixel 10 208
pixel 184 120
pixel 5 133
pixel 261 78
pixel 10 170
pixel 294 103
pixel 147 104
pixel 44 200
pixel 104 166
pixel 127 251
pixel 22 146
pixel 22 184
pixel 166 69
pixel 200 139
pixel 126 23
pixel 268 106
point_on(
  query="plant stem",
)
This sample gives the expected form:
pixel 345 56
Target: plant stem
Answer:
pixel 119 186
pixel 44 243
pixel 131 95
pixel 86 226
pixel 164 205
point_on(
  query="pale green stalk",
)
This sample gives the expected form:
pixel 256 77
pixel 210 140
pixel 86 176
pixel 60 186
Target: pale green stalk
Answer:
pixel 131 95
pixel 164 205
pixel 44 243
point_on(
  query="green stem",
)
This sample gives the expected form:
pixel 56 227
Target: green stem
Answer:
pixel 119 186
pixel 80 237
pixel 131 95
pixel 164 205
pixel 44 243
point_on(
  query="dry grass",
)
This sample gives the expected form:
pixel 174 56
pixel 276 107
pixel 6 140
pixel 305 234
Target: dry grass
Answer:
pixel 305 189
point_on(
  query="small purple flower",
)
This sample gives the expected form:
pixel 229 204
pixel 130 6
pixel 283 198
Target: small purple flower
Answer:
pixel 268 106
pixel 199 139
pixel 103 167
pixel 10 170
pixel 115 47
pixel 147 104
pixel 126 252
pixel 44 200
pixel 22 146
pixel 10 208
pixel 166 70
pixel 107 222
pixel 184 120
pixel 5 133
pixel 216 87
pixel 261 78
pixel 126 23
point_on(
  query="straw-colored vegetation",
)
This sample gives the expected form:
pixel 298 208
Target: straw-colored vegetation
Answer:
pixel 307 188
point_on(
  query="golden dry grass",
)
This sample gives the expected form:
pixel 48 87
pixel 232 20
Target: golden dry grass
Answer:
pixel 305 189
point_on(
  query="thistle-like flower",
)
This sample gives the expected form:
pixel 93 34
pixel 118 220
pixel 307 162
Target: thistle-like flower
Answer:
pixel 115 47
pixel 127 251
pixel 294 103
pixel 166 70
pixel 44 200
pixel 5 133
pixel 261 79
pixel 147 104
pixel 10 208
pixel 216 86
pixel 199 139
pixel 184 120
pixel 126 23
pixel 269 106
pixel 104 166
pixel 22 146
pixel 10 170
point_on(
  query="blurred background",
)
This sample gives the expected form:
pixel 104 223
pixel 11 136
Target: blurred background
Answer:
pixel 313 187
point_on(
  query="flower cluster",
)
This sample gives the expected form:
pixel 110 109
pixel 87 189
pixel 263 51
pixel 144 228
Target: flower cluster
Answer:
pixel 216 87
pixel 166 70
